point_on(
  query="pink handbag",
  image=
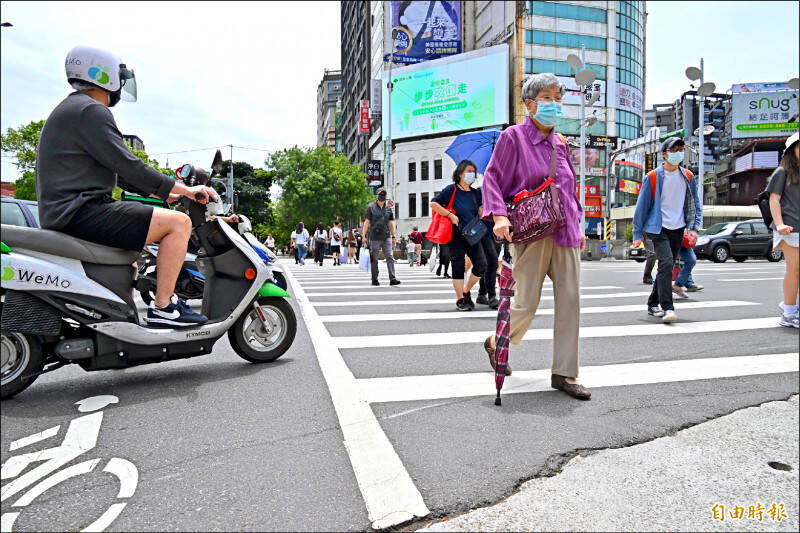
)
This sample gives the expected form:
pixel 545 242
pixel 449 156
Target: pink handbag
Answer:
pixel 537 214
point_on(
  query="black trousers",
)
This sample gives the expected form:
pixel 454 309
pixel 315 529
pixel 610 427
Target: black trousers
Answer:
pixel 319 252
pixel 459 247
pixel 444 259
pixel 491 249
pixel 667 245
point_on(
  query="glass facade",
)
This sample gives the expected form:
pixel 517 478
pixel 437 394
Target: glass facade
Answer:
pixel 566 11
pixel 559 68
pixel 568 40
pixel 630 61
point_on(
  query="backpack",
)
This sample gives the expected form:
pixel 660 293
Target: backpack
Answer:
pixel 654 178
pixel 762 201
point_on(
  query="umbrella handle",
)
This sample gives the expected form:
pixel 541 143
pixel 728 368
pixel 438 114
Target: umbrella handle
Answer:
pixel 497 400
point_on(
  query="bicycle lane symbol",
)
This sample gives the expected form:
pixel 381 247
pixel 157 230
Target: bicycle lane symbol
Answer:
pixel 81 436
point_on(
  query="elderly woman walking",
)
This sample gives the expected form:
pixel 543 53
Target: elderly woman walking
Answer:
pixel 521 161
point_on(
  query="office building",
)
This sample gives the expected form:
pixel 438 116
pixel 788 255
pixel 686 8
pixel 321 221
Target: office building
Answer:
pixel 135 142
pixel 329 91
pixel 355 61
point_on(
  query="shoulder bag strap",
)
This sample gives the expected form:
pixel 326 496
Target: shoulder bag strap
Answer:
pixel 553 161
pixel 450 205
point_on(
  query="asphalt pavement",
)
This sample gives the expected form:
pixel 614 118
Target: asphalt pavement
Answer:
pixel 382 413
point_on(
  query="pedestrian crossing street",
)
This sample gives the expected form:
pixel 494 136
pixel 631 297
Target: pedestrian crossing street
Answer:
pixel 383 344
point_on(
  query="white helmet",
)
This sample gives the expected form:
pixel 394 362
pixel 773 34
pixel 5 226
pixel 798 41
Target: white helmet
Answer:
pixel 101 69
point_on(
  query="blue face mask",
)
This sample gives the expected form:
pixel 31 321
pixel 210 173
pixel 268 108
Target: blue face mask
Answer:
pixel 548 114
pixel 469 177
pixel 675 158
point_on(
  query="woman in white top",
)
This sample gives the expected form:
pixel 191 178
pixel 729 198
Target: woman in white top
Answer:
pixel 270 242
pixel 336 242
pixel 300 240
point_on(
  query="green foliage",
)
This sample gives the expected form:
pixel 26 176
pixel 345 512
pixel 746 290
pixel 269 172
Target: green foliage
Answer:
pixel 22 142
pixel 316 186
pixel 252 192
pixel 26 186
pixel 629 233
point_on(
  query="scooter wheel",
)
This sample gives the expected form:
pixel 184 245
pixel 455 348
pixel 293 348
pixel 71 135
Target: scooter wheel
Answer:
pixel 257 343
pixel 22 360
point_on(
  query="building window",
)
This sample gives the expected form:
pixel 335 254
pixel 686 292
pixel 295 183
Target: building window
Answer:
pixel 412 170
pixel 560 68
pixel 423 170
pixel 565 11
pixel 412 206
pixel 629 125
pixel 425 207
pixel 568 40
pixel 437 168
pixel 528 36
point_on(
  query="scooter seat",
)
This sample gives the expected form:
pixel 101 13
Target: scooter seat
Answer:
pixel 60 244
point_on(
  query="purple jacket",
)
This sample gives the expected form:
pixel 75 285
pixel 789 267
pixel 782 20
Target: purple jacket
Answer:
pixel 520 161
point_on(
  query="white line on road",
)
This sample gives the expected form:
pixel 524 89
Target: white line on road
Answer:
pixel 392 303
pixel 627 330
pixel 458 315
pixel 749 279
pixel 399 290
pixel 437 387
pixel 388 490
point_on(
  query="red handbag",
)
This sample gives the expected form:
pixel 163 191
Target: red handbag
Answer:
pixel 441 229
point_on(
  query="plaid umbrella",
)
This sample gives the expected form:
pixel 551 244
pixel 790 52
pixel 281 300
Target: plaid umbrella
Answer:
pixel 503 323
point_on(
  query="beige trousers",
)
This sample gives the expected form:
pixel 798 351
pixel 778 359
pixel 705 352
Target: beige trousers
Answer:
pixel 562 265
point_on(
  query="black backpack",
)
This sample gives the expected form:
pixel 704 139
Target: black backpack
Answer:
pixel 762 200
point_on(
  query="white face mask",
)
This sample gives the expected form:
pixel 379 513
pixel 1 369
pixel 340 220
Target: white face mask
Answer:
pixel 469 177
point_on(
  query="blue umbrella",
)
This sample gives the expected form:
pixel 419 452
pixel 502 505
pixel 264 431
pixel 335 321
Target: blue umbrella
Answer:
pixel 477 146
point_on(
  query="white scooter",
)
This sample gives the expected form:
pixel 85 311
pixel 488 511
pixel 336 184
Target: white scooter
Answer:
pixel 65 300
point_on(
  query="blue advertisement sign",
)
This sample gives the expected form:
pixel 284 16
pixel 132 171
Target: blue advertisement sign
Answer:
pixel 426 30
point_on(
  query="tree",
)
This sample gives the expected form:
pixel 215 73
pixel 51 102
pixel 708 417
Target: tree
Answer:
pixel 22 142
pixel 316 186
pixel 252 191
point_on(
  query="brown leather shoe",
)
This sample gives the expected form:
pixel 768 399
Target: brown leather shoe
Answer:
pixel 487 345
pixel 576 390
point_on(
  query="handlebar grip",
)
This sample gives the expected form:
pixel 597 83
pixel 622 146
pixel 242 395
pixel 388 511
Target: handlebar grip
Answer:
pixel 199 196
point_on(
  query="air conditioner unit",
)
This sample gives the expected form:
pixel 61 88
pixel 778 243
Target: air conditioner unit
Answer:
pixel 734 185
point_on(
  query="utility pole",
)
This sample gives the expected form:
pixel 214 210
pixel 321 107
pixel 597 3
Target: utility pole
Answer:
pixel 583 149
pixel 390 181
pixel 702 155
pixel 229 186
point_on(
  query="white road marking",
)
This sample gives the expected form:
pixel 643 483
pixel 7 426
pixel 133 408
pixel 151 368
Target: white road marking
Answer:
pixel 437 387
pixel 626 330
pixel 27 441
pixel 749 279
pixel 396 291
pixel 392 303
pixel 388 490
pixel 457 315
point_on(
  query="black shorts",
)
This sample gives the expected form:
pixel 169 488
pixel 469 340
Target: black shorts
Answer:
pixel 336 249
pixel 111 223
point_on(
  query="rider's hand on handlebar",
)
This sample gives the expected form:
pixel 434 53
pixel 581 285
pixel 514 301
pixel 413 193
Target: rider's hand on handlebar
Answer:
pixel 201 194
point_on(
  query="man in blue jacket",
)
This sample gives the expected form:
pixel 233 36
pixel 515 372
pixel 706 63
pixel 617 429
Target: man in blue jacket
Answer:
pixel 668 205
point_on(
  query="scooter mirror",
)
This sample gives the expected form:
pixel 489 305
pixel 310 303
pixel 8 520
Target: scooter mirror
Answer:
pixel 184 171
pixel 216 165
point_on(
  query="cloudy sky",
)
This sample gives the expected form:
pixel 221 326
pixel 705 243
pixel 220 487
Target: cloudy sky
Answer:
pixel 218 73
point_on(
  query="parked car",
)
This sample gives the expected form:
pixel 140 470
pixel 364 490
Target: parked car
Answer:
pixel 740 240
pixel 20 212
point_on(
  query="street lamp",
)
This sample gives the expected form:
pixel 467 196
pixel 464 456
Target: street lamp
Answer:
pixel 706 88
pixel 584 78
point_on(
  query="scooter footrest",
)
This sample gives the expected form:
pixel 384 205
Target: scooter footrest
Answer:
pixel 27 314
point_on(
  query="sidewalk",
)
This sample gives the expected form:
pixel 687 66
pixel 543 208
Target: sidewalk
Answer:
pixel 669 484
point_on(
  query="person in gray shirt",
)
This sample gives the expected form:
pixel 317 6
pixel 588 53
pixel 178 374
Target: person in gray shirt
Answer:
pixel 81 158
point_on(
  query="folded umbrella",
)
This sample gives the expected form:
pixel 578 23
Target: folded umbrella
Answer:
pixel 503 324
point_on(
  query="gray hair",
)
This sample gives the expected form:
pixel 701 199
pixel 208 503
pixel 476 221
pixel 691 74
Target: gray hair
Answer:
pixel 537 82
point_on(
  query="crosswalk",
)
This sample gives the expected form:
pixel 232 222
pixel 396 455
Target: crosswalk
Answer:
pixel 346 315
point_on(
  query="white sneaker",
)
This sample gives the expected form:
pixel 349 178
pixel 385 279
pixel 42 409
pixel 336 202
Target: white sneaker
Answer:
pixel 680 292
pixel 790 321
pixel 669 316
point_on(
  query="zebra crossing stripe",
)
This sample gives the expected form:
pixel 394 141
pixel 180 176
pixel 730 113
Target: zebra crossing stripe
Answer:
pixel 396 291
pixel 389 492
pixel 386 302
pixel 457 315
pixel 437 387
pixel 628 330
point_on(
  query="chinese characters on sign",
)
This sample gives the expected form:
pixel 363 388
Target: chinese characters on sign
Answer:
pixel 776 512
pixel 374 173
pixel 629 98
pixel 426 29
pixel 629 186
pixel 363 121
pixel 764 114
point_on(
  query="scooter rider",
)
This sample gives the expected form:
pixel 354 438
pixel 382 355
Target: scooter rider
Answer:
pixel 82 157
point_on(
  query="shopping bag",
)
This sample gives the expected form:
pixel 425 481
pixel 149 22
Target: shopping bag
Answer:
pixel 363 261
